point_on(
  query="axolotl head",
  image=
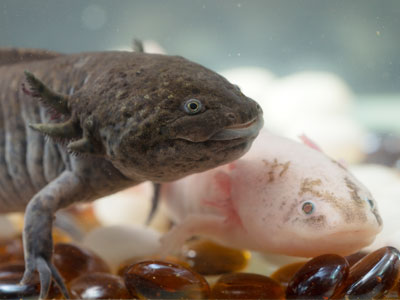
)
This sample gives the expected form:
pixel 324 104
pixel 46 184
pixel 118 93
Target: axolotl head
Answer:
pixel 302 202
pixel 170 117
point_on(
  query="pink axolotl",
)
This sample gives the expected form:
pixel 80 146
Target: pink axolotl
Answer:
pixel 281 197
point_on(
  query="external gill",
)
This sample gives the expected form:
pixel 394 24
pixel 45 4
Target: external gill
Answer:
pixel 70 130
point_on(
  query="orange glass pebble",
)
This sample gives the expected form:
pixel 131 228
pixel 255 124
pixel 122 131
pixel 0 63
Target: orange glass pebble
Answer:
pixel 99 286
pixel 11 250
pixel 163 280
pixel 246 286
pixel 318 278
pixel 284 274
pixel 10 276
pixel 126 264
pixel 354 258
pixel 373 276
pixel 208 258
pixel 73 261
pixel 60 236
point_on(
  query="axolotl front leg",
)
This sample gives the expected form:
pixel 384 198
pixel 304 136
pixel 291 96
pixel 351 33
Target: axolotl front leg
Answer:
pixel 37 233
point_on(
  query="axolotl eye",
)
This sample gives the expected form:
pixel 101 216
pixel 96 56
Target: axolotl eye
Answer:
pixel 308 207
pixel 192 106
pixel 370 202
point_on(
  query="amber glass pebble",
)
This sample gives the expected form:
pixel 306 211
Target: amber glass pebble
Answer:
pixel 60 236
pixel 10 276
pixel 163 280
pixel 73 261
pixel 99 286
pixel 11 250
pixel 284 274
pixel 208 258
pixel 126 264
pixel 246 286
pixel 372 276
pixel 354 258
pixel 318 278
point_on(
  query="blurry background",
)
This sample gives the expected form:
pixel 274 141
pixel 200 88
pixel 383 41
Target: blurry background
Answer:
pixel 304 58
pixel 326 68
pixel 343 54
pixel 358 39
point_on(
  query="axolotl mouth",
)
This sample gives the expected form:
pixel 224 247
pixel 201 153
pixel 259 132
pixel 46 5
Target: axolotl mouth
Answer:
pixel 245 130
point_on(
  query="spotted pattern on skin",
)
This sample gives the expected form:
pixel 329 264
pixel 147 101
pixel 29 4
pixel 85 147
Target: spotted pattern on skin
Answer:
pixel 349 213
pixel 316 221
pixel 273 168
pixel 353 190
pixel 354 195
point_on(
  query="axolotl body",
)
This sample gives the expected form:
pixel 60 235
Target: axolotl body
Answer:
pixel 113 120
pixel 281 197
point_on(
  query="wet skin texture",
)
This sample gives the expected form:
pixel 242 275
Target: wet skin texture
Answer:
pixel 113 120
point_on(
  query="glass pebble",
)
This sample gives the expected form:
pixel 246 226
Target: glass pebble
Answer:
pixel 209 258
pixel 99 286
pixel 246 286
pixel 126 264
pixel 11 250
pixel 372 276
pixel 164 280
pixel 354 258
pixel 73 261
pixel 60 236
pixel 10 276
pixel 318 278
pixel 284 274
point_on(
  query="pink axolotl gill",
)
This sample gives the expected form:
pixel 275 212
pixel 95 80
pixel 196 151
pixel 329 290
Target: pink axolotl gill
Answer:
pixel 281 197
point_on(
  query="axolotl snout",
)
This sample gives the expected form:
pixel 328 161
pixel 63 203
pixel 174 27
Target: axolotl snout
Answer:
pixel 281 197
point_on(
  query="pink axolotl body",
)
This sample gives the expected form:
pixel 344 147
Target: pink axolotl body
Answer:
pixel 281 197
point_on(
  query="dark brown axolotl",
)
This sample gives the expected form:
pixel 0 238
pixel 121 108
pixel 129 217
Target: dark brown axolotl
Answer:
pixel 112 120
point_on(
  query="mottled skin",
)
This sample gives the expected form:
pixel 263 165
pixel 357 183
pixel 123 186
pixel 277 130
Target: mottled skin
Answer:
pixel 123 122
pixel 281 197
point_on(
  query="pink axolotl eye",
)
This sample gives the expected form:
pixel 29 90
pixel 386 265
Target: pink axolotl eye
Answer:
pixel 308 207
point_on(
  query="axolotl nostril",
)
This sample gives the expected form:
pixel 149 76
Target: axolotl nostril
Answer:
pixel 281 197
pixel 121 118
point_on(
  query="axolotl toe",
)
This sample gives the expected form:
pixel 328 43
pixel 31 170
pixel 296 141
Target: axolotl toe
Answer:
pixel 281 197
pixel 79 127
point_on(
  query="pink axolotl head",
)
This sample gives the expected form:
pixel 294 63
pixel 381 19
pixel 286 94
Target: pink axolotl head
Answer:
pixel 293 199
pixel 282 197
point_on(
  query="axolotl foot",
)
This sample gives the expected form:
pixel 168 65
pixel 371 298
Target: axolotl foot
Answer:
pixel 47 271
pixel 38 247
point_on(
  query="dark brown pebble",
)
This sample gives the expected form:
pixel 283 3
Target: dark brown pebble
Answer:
pixel 246 286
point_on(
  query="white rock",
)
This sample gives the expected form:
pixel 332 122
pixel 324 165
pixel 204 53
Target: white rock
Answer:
pixel 116 244
pixel 317 104
pixel 307 94
pixel 8 229
pixel 131 206
pixel 253 81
